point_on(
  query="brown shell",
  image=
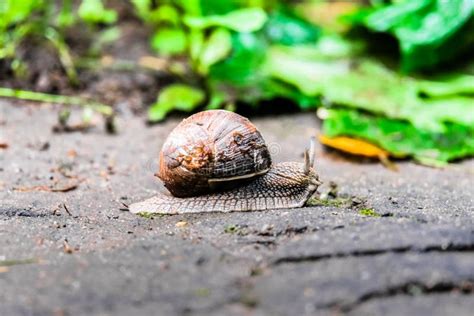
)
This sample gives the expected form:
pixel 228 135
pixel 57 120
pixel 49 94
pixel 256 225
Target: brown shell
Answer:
pixel 211 150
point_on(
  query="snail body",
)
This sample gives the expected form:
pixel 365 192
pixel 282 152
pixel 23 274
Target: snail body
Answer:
pixel 245 179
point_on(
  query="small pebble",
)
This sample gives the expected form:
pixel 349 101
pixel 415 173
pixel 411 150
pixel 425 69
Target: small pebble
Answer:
pixel 181 224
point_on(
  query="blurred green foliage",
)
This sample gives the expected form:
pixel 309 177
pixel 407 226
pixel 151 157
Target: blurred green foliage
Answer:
pixel 45 20
pixel 227 44
pixel 226 51
pixel 249 52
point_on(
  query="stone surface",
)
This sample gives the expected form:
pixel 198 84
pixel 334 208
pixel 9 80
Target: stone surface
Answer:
pixel 414 257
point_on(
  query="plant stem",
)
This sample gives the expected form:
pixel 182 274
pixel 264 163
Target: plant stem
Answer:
pixel 51 98
pixel 64 55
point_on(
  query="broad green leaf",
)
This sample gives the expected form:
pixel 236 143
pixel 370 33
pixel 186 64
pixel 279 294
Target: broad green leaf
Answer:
pixel 167 13
pixel 14 11
pixel 175 97
pixel 287 29
pixel 217 47
pixel 401 138
pixel 388 17
pixel 271 89
pixel 297 67
pixel 253 94
pixel 309 67
pixel 93 11
pixel 371 87
pixel 169 41
pixel 164 13
pixel 243 66
pixel 448 85
pixel 243 20
pixel 429 31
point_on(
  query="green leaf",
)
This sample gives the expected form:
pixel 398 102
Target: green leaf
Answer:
pixel 270 89
pixel 244 64
pixel 169 41
pixel 309 67
pixel 142 8
pixel 429 31
pixel 196 42
pixel 13 11
pixel 217 7
pixel 401 138
pixel 217 99
pixel 150 13
pixel 387 18
pixel 66 16
pixel 243 20
pixel 304 68
pixel 93 11
pixel 166 13
pixel 191 7
pixel 175 97
pixel 372 87
pixel 217 47
pixel 287 29
pixel 448 85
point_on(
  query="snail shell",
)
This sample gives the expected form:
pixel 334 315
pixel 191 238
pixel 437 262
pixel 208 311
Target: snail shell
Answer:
pixel 212 150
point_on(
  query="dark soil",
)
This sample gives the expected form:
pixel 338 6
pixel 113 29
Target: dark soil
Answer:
pixel 125 89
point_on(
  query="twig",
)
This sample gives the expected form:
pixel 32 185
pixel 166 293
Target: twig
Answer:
pixel 67 211
pixel 67 248
pixel 51 98
pixel 148 63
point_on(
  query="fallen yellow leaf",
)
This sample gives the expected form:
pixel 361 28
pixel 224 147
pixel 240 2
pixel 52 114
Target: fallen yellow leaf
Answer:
pixel 354 146
pixel 358 147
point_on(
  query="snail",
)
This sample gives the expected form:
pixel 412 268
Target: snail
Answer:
pixel 217 161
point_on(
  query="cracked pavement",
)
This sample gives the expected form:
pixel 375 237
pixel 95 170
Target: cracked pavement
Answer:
pixel 79 253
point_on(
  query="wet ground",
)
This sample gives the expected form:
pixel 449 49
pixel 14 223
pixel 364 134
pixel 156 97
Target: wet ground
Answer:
pixel 392 243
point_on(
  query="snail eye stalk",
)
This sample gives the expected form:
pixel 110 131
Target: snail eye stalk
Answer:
pixel 309 155
pixel 307 162
pixel 312 151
